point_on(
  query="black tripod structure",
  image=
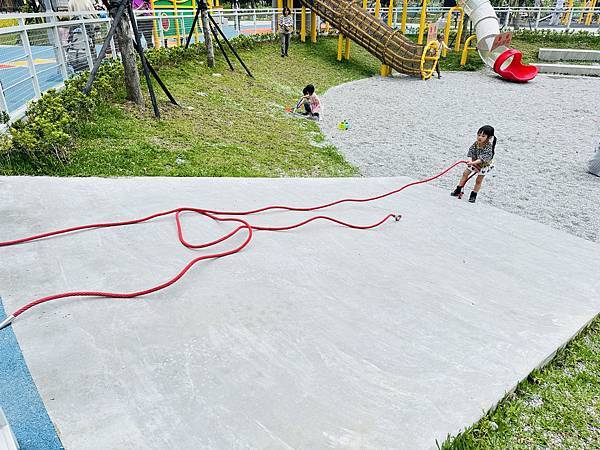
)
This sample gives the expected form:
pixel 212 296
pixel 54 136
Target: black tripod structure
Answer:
pixel 120 6
pixel 214 28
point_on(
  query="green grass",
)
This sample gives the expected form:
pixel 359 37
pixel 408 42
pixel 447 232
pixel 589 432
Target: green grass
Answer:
pixel 530 50
pixel 557 407
pixel 229 125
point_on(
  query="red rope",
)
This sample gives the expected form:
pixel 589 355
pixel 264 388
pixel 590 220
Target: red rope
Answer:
pixel 214 215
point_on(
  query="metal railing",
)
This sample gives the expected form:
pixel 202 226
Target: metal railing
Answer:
pixel 43 50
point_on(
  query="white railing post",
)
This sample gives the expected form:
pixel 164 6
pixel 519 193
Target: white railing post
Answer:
pixel 62 62
pixel 113 47
pixel 30 63
pixel 255 18
pixel 88 50
pixel 3 105
pixel 507 17
pixel 537 18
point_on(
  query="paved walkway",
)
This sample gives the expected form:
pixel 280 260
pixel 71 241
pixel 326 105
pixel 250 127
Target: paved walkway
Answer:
pixel 313 338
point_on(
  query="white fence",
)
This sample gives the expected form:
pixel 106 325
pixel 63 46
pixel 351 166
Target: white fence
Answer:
pixel 42 50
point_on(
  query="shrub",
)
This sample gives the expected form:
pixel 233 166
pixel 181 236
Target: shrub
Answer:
pixel 45 134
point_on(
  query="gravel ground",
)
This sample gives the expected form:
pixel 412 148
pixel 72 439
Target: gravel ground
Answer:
pixel 547 130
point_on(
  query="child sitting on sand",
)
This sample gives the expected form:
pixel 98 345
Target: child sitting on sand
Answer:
pixel 312 104
pixel 481 161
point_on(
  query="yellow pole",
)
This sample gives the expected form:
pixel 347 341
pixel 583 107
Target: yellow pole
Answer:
pixel 347 49
pixel 422 23
pixel 377 7
pixel 458 32
pixel 590 14
pixel 313 27
pixel 404 12
pixel 303 25
pixel 465 52
pixel 385 69
pixel 365 4
pixel 290 4
pixel 177 37
pixel 154 27
pixel 210 3
pixel 565 18
pixel 196 28
pixel 279 11
pixel 340 46
pixel 217 5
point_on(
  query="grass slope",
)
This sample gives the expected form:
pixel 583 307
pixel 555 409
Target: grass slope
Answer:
pixel 230 124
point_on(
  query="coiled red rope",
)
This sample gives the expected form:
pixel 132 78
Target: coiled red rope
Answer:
pixel 214 215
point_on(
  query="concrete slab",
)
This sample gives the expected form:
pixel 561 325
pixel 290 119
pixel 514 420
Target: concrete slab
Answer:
pixel 319 337
pixel 568 54
pixel 570 69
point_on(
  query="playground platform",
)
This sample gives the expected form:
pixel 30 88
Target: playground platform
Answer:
pixel 317 337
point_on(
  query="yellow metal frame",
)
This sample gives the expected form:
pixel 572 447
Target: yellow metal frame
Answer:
pixel 567 14
pixel 460 11
pixel 313 27
pixel 377 7
pixel 465 52
pixel 385 70
pixel 176 20
pixel 404 13
pixel 196 27
pixel 279 13
pixel 422 22
pixel 303 25
pixel 155 27
pixel 590 14
pixel 433 45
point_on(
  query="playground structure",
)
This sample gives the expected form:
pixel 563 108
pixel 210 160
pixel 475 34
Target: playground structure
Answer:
pixel 397 52
pixel 378 38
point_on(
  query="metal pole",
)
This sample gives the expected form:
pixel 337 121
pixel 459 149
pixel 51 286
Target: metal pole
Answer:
pixel 230 46
pixel 60 51
pixel 194 22
pixel 109 36
pixel 30 62
pixel 156 77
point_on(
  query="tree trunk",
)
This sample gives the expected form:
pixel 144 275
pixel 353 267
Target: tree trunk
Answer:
pixel 210 51
pixel 128 57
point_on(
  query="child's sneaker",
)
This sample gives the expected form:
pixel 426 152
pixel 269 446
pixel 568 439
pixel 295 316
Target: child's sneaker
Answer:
pixel 473 197
pixel 457 192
